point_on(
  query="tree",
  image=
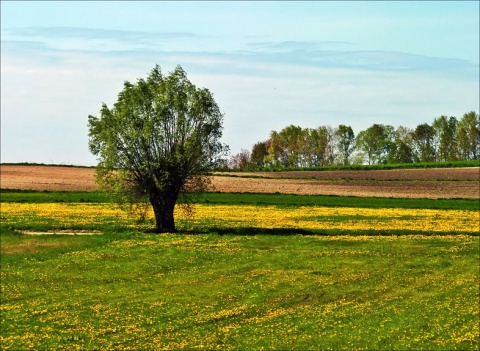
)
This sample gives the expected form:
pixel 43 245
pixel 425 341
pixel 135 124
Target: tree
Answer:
pixel 160 139
pixel 317 143
pixel 423 139
pixel 401 150
pixel 277 151
pixel 286 147
pixel 241 160
pixel 375 142
pixel 468 136
pixel 291 137
pixel 259 152
pixel 346 140
pixel 445 130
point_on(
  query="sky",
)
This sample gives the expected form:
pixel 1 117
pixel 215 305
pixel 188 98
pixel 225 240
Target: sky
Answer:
pixel 268 64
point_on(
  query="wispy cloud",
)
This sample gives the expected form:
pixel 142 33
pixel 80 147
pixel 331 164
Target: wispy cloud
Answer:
pixel 324 54
pixel 338 54
pixel 95 39
pixel 296 46
pixel 95 33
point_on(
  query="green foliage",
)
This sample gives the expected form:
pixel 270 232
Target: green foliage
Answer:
pixel 361 167
pixel 446 144
pixel 259 153
pixel 346 142
pixel 375 143
pixel 468 136
pixel 447 139
pixel 424 141
pixel 160 139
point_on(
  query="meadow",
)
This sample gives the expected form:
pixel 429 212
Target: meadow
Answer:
pixel 245 271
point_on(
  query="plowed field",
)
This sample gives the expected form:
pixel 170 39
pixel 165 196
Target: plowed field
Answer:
pixel 412 183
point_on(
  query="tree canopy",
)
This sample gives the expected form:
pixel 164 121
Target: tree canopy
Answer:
pixel 446 139
pixel 160 139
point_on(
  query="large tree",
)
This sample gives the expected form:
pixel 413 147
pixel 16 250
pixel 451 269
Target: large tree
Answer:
pixel 160 139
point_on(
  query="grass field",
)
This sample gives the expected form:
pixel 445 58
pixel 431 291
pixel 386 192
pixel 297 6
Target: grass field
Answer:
pixel 247 271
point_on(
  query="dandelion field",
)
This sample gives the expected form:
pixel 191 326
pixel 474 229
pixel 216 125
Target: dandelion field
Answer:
pixel 240 274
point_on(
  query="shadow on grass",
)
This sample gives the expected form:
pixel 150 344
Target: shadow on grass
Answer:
pixel 251 231
pixel 239 231
pixel 264 231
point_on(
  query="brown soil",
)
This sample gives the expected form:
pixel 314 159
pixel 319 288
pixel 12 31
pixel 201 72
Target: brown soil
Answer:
pixel 47 178
pixel 374 188
pixel 414 183
pixel 467 173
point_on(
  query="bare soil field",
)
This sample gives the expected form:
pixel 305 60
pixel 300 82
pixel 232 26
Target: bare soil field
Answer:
pixel 410 183
pixel 47 178
pixel 371 188
pixel 467 173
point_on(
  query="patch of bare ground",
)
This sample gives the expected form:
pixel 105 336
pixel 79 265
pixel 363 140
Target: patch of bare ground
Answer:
pixel 47 178
pixel 409 183
pixel 62 232
pixel 30 246
pixel 463 173
pixel 367 188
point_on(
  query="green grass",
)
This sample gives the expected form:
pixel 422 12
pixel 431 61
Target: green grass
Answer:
pixel 32 196
pixel 254 199
pixel 269 289
pixel 137 291
pixel 336 201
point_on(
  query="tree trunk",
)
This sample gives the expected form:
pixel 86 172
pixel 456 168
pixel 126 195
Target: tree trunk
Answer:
pixel 163 206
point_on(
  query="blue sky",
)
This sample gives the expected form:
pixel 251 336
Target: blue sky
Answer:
pixel 268 64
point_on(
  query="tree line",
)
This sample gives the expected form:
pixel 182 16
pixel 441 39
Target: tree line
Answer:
pixel 446 139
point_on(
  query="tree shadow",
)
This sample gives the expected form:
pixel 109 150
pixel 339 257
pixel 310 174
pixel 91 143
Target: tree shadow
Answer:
pixel 252 231
pixel 262 231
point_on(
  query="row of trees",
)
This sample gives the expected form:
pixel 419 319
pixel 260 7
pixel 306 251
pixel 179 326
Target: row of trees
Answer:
pixel 446 139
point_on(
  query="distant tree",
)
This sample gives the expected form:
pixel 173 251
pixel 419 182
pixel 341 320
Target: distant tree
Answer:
pixel 291 137
pixel 346 142
pixel 423 140
pixel 241 160
pixel 160 139
pixel 277 151
pixel 331 150
pixel 468 136
pixel 401 150
pixel 258 154
pixel 304 153
pixel 286 147
pixel 317 144
pixel 445 141
pixel 375 142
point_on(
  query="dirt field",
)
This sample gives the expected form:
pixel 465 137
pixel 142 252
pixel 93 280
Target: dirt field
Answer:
pixel 416 183
pixel 469 173
pixel 47 178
